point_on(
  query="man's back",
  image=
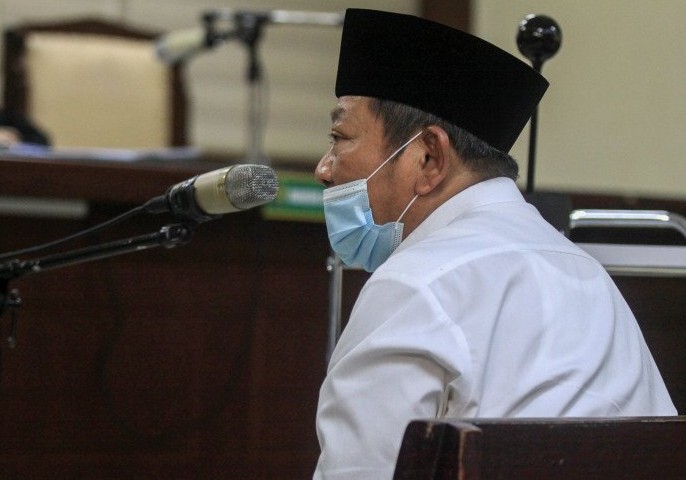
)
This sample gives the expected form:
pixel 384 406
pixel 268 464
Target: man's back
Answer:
pixel 548 332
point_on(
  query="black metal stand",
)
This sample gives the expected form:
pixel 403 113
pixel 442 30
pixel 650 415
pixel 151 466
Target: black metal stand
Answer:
pixel 247 27
pixel 539 38
pixel 168 236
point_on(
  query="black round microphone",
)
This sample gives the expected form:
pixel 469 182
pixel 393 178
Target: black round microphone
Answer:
pixel 539 38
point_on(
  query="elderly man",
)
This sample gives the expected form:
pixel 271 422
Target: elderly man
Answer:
pixel 477 307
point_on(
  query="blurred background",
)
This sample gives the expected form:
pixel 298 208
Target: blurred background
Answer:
pixel 612 120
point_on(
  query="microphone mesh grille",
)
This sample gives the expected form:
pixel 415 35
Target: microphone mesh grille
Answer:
pixel 249 186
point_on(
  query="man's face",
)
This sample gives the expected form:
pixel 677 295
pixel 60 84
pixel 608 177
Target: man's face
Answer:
pixel 357 149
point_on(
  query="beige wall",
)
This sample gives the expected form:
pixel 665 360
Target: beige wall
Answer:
pixel 614 118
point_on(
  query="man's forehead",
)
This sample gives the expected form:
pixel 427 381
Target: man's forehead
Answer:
pixel 350 108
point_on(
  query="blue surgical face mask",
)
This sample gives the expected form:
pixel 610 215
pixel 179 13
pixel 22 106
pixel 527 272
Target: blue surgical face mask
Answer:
pixel 352 232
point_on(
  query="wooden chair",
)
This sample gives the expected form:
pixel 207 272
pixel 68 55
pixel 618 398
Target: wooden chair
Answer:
pixel 94 83
pixel 562 449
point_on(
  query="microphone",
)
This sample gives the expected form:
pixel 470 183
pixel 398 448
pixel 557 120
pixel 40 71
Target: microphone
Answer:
pixel 290 17
pixel 212 194
pixel 178 46
pixel 181 45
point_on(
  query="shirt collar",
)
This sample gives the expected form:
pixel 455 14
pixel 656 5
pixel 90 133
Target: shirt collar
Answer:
pixel 495 190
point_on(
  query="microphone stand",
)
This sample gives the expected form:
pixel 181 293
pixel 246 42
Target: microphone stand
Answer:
pixel 539 38
pixel 249 31
pixel 248 27
pixel 168 236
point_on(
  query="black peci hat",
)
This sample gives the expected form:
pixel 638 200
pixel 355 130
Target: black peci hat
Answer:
pixel 440 70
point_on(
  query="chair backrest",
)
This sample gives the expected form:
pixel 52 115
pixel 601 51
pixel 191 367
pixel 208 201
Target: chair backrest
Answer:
pixel 563 449
pixel 94 83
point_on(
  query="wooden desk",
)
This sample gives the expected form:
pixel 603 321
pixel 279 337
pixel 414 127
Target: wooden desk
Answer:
pixel 102 181
pixel 543 448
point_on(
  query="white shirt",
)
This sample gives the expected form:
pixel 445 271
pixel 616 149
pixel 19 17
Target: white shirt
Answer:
pixel 485 310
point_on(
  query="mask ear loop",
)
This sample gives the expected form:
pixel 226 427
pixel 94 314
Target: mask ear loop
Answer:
pixel 407 208
pixel 395 153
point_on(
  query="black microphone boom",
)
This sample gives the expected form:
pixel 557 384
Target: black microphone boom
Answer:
pixel 210 195
pixel 198 199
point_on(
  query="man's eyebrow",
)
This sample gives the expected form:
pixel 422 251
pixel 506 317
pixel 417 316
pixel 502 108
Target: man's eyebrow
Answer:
pixel 337 113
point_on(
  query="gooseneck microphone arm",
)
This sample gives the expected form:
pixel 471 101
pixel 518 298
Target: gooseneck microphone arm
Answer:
pixel 13 267
pixel 168 236
pixel 199 199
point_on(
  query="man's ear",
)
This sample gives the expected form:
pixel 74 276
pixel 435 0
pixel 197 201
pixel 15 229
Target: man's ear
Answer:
pixel 436 164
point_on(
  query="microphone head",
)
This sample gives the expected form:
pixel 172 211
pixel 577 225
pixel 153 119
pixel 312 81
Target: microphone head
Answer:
pixel 249 186
pixel 177 47
pixel 538 38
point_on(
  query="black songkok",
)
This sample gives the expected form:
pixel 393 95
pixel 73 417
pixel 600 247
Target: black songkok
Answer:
pixel 440 70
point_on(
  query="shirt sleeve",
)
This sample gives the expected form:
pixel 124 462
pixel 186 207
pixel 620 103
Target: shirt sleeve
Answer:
pixel 391 365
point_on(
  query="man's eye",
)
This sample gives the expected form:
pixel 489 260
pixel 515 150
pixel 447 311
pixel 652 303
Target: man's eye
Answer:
pixel 337 137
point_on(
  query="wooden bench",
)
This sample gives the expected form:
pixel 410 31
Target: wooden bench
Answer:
pixel 576 448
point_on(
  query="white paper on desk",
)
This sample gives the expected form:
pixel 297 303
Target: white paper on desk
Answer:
pixel 107 154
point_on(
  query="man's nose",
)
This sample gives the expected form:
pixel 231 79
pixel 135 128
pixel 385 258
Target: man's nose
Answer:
pixel 323 171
